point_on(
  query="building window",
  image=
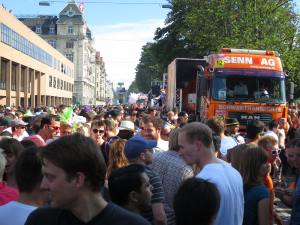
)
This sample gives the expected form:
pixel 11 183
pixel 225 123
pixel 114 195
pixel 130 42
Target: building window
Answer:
pixel 50 81
pixel 5 34
pixel 70 29
pixel 14 77
pixel 52 43
pixel 69 56
pixel 23 71
pixel 70 44
pixel 38 29
pixel 3 66
pixel 61 85
pixel 51 30
pixel 54 82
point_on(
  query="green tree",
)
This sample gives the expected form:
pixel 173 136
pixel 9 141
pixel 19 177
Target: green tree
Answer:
pixel 196 28
pixel 148 69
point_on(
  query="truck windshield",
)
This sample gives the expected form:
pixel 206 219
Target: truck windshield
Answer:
pixel 249 89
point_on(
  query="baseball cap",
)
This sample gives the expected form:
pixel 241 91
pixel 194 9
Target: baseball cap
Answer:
pixel 17 122
pixel 126 125
pixel 136 145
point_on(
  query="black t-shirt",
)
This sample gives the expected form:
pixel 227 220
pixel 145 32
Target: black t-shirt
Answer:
pixel 110 215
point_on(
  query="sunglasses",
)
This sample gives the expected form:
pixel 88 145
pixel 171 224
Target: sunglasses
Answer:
pixel 55 128
pixel 98 130
pixel 21 127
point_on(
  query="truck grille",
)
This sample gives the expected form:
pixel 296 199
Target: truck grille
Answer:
pixel 244 117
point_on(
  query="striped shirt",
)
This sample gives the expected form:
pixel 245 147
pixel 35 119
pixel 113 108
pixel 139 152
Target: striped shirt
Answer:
pixel 157 192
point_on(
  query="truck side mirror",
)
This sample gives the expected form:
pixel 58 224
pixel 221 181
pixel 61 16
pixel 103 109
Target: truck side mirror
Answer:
pixel 290 90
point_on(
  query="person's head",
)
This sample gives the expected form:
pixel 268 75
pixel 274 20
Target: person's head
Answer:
pixel 126 129
pixel 28 144
pixel 173 140
pixel 151 127
pixel 254 166
pixel 110 128
pixel 270 145
pixel 138 149
pixel 232 126
pixel 2 164
pixel 197 201
pixel 133 115
pixel 72 167
pixel 273 125
pixel 195 141
pixel 165 132
pixel 254 129
pixel 97 131
pixel 116 115
pixel 65 129
pixel 116 158
pixel 28 171
pixel 170 115
pixel 217 143
pixel 183 118
pixel 152 111
pixel 216 125
pixel 49 127
pixel 12 150
pixel 293 153
pixel 18 127
pixel 4 123
pixel 129 187
pixel 234 155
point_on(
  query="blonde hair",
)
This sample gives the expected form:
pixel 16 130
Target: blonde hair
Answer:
pixel 117 156
pixel 267 141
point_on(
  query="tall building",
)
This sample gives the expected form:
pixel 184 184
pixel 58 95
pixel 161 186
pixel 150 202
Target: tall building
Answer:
pixel 70 35
pixel 100 80
pixel 109 90
pixel 32 73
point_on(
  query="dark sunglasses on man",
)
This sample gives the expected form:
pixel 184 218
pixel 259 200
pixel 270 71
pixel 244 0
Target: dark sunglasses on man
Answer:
pixel 100 131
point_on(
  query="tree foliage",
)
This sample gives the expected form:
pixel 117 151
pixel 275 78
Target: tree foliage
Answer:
pixel 195 28
pixel 148 69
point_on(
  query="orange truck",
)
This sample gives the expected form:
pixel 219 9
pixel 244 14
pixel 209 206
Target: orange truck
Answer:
pixel 235 83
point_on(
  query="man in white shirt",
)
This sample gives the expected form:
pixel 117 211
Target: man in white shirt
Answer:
pixel 151 130
pixel 196 147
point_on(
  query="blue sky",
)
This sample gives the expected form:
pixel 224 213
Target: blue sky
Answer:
pixel 119 30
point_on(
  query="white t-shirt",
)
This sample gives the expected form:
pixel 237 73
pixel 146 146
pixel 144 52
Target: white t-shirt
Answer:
pixel 15 213
pixel 227 143
pixel 230 186
pixel 161 146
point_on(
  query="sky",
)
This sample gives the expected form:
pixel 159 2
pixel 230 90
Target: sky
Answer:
pixel 119 28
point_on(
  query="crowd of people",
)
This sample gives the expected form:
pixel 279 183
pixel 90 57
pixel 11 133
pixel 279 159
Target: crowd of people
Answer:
pixel 125 165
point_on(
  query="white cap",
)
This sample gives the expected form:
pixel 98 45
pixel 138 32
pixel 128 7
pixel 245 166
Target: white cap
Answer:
pixel 126 125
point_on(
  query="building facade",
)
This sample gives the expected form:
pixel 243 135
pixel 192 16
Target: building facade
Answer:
pixel 100 80
pixel 109 90
pixel 70 35
pixel 32 73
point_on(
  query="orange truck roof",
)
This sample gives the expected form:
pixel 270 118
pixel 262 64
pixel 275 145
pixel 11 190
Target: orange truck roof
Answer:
pixel 245 61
